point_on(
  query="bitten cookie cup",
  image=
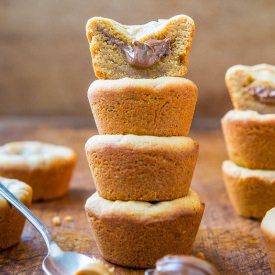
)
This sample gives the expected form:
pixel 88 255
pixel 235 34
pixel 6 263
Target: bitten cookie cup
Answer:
pixel 252 87
pixel 45 167
pixel 11 221
pixel 129 167
pixel 140 51
pixel 157 107
pixel 250 139
pixel 136 234
pixel 252 192
pixel 268 232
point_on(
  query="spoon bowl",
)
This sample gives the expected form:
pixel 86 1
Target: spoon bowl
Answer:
pixel 149 272
pixel 65 263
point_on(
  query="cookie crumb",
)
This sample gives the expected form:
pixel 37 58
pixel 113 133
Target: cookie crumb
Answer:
pixel 56 221
pixel 68 219
pixel 200 255
pixel 253 241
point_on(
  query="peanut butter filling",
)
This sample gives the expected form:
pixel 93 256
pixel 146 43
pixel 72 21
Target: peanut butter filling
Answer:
pixel 96 267
pixel 142 54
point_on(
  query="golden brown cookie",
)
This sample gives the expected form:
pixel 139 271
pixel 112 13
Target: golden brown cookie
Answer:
pixel 252 192
pixel 250 139
pixel 140 51
pixel 268 232
pixel 129 167
pixel 252 87
pixel 136 234
pixel 157 107
pixel 11 221
pixel 45 167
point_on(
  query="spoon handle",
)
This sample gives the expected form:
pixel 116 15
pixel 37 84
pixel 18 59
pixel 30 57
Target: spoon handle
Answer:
pixel 28 214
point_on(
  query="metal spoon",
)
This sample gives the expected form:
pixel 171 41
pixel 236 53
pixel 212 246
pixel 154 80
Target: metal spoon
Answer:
pixel 57 262
pixel 149 272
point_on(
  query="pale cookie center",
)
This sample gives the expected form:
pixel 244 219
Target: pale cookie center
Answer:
pixel 34 151
pixel 23 151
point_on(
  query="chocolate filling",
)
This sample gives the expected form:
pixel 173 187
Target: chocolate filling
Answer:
pixel 142 54
pixel 183 265
pixel 264 94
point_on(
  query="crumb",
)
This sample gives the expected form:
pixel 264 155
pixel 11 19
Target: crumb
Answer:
pixel 68 219
pixel 253 241
pixel 56 221
pixel 200 255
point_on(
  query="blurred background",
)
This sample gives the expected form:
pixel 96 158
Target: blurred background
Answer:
pixel 45 64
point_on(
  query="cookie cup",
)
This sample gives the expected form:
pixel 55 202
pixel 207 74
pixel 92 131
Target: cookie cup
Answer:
pixel 45 167
pixel 156 107
pixel 252 192
pixel 268 232
pixel 111 62
pixel 252 87
pixel 148 168
pixel 136 234
pixel 250 139
pixel 11 221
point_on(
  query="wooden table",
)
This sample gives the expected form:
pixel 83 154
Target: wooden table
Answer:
pixel 232 243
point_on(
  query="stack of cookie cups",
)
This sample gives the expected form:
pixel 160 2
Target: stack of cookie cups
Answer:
pixel 249 132
pixel 142 163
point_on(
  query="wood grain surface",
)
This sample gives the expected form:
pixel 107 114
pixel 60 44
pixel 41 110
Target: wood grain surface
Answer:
pixel 233 244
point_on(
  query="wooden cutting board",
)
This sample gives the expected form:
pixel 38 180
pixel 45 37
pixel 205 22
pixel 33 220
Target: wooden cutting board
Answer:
pixel 233 244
